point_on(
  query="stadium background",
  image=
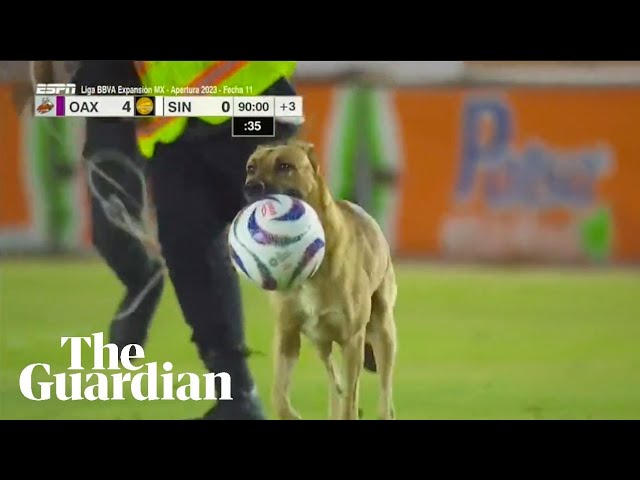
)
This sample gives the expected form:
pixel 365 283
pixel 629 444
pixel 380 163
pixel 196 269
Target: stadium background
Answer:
pixel 507 189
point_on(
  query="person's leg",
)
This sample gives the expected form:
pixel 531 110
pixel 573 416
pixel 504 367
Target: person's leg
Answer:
pixel 343 144
pixel 55 164
pixel 123 253
pixel 198 190
pixel 381 138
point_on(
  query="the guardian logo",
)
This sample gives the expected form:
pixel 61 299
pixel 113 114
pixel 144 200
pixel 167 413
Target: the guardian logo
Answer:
pixel 118 377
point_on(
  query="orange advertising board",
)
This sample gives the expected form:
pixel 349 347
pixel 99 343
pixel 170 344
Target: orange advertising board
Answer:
pixel 14 211
pixel 526 173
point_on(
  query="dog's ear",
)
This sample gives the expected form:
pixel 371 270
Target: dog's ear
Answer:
pixel 310 150
pixel 260 149
pixel 259 152
pixel 305 146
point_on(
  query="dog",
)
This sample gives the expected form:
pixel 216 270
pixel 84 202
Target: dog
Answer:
pixel 348 302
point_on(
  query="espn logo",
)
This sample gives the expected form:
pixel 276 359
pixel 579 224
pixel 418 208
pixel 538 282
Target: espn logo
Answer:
pixel 56 89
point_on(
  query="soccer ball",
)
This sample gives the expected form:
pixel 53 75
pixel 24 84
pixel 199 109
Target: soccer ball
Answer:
pixel 277 242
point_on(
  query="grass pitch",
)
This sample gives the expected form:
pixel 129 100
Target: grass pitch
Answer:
pixel 473 343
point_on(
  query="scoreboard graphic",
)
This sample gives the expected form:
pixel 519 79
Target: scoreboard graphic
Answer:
pixel 250 116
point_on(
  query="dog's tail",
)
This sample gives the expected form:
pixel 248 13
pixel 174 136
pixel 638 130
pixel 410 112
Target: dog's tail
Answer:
pixel 369 359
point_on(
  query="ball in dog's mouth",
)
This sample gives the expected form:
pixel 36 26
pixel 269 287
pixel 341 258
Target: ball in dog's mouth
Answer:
pixel 294 192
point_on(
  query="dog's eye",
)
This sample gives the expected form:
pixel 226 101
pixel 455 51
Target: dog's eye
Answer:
pixel 251 169
pixel 285 167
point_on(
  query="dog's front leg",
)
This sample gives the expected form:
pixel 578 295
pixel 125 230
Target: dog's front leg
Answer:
pixel 287 351
pixel 335 390
pixel 353 355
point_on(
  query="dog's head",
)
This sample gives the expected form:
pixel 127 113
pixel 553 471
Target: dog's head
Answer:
pixel 289 169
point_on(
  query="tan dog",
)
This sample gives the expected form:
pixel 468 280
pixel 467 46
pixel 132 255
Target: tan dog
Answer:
pixel 350 299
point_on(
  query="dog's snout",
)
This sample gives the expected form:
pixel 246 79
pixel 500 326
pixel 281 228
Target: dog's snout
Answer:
pixel 254 189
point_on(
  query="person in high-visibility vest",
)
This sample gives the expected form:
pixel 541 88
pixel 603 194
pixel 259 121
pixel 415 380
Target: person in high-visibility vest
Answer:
pixel 123 253
pixel 197 170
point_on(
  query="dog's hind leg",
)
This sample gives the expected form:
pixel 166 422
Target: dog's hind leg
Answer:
pixel 381 332
pixel 383 342
pixel 352 355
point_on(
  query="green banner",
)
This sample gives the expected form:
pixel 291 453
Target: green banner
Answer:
pixel 54 156
pixel 364 157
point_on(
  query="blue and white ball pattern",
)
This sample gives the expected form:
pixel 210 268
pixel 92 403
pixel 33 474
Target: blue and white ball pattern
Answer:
pixel 277 242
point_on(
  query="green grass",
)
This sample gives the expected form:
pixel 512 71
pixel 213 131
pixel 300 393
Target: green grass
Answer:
pixel 473 344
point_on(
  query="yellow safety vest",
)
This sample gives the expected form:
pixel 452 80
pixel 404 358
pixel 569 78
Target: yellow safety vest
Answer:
pixel 258 76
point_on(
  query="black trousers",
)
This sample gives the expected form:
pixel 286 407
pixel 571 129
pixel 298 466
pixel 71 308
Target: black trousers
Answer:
pixel 122 252
pixel 197 183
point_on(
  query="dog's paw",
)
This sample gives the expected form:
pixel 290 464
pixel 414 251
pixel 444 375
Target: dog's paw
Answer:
pixel 289 415
pixel 286 412
pixel 388 415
